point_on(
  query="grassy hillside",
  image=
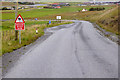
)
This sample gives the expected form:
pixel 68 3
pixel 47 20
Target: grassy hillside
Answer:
pixel 109 21
pixel 39 13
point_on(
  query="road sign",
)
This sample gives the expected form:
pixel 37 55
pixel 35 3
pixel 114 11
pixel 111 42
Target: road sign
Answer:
pixel 58 17
pixel 49 22
pixel 36 19
pixel 19 23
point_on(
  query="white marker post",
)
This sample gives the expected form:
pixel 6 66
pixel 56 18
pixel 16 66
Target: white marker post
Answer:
pixel 36 31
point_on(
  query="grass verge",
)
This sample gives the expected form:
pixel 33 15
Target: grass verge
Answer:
pixel 27 36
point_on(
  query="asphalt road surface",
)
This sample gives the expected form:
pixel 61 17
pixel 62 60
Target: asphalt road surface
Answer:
pixel 74 51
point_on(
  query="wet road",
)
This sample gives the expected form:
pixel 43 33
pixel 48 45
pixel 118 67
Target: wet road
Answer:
pixel 73 51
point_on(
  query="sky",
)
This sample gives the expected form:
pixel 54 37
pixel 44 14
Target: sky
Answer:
pixel 60 0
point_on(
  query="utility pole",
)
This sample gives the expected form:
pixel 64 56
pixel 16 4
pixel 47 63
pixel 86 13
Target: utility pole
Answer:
pixel 16 13
pixel 94 1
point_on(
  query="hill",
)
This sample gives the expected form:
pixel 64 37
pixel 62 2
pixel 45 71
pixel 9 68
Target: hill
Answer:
pixel 109 20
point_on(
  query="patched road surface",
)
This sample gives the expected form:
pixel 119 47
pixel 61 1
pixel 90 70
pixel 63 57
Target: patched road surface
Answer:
pixel 73 51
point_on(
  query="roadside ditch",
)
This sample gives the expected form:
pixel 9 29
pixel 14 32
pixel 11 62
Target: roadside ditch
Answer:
pixel 115 38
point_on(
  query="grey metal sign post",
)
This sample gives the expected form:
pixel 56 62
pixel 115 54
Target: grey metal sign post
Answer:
pixel 19 36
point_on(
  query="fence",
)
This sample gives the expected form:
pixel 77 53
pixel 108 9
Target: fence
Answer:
pixel 8 34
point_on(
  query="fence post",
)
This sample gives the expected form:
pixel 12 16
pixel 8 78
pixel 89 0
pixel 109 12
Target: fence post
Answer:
pixel 10 33
pixel 6 32
pixel 3 34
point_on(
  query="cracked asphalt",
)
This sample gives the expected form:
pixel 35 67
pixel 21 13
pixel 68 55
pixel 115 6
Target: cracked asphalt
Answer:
pixel 73 51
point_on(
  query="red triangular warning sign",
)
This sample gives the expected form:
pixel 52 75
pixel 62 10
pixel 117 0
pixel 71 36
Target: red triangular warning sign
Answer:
pixel 19 19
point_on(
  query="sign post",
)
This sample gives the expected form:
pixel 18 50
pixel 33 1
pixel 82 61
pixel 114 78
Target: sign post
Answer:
pixel 16 12
pixel 19 25
pixel 19 36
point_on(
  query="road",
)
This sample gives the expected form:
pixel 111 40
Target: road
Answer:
pixel 74 51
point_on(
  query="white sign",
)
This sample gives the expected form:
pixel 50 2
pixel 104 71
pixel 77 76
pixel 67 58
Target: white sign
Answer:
pixel 19 19
pixel 58 17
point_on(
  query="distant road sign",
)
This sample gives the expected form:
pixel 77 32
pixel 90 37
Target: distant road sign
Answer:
pixel 36 19
pixel 58 17
pixel 49 22
pixel 19 23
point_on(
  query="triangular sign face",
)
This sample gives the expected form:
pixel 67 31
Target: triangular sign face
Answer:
pixel 19 19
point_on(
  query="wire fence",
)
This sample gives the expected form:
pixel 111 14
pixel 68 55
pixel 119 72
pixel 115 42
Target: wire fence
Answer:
pixel 8 34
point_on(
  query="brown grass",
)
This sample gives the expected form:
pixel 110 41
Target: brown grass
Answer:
pixel 8 4
pixel 27 36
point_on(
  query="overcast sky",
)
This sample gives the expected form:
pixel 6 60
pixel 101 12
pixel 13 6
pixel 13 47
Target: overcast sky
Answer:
pixel 58 0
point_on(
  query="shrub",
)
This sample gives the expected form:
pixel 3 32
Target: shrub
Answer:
pixel 96 9
pixel 4 8
pixel 47 7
